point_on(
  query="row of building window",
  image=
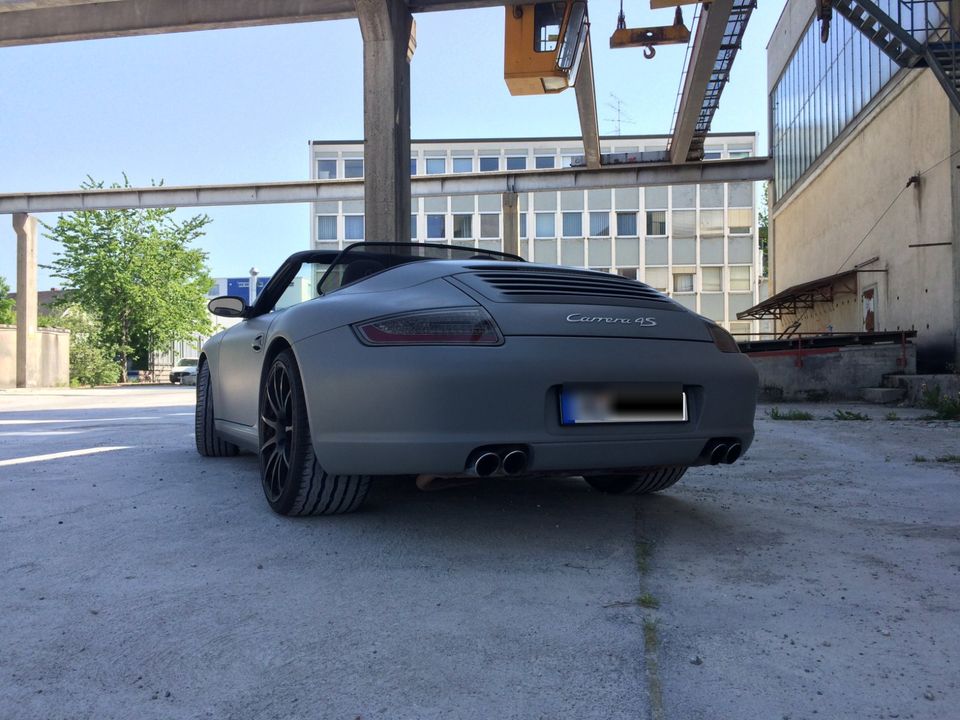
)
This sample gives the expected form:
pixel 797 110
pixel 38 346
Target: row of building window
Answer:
pixel 571 225
pixel 822 88
pixel 353 167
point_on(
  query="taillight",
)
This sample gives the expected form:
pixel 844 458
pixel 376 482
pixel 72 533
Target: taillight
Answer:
pixel 452 326
pixel 722 339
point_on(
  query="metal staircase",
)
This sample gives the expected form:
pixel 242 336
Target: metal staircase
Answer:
pixel 918 33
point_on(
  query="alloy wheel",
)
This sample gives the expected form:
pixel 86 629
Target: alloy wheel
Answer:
pixel 276 431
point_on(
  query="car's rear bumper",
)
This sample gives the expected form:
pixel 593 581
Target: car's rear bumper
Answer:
pixel 413 410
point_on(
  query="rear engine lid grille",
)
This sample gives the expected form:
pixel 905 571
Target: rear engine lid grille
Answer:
pixel 516 284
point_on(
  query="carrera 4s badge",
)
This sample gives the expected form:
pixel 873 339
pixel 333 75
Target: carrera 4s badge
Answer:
pixel 607 320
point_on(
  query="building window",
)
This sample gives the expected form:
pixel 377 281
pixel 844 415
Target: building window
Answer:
pixel 683 282
pixel 326 169
pixel 490 225
pixel 626 224
pixel 463 226
pixel 413 227
pixel 656 222
pixel 711 279
pixel 523 225
pixel 436 227
pixel 517 162
pixel 326 227
pixel 740 221
pixel 436 166
pixel 657 278
pixel 546 225
pixel 353 227
pixel 572 224
pixel 489 164
pixel 413 166
pixel 353 168
pixel 740 278
pixel 599 224
pixel 544 162
pixel 711 155
pixel 463 164
pixel 628 272
pixel 711 222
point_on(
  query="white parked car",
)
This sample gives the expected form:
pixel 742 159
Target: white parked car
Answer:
pixel 185 371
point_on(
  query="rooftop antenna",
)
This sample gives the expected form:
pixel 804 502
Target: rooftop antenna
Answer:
pixel 621 117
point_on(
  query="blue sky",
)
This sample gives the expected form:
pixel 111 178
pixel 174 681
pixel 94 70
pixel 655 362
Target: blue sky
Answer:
pixel 241 105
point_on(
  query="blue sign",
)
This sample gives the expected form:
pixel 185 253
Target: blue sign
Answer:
pixel 241 286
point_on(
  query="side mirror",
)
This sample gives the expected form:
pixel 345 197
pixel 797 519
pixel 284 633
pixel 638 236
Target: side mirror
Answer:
pixel 229 306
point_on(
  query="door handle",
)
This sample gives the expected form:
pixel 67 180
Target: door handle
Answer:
pixel 257 343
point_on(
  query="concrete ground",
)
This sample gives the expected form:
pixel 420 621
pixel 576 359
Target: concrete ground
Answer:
pixel 818 578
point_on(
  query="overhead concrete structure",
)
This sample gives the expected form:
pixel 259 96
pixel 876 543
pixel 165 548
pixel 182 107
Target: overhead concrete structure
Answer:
pixel 389 41
pixel 28 345
pixel 488 183
pixel 32 22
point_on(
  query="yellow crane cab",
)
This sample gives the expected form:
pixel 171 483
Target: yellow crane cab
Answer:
pixel 543 43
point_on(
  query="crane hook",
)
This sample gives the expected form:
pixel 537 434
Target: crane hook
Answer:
pixel 649 52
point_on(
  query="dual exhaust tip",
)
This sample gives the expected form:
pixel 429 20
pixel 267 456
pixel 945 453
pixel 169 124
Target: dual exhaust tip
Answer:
pixel 725 452
pixel 485 463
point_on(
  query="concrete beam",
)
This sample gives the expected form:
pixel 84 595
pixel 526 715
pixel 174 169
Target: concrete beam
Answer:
pixel 510 207
pixel 31 22
pixel 488 183
pixel 388 44
pixel 28 341
pixel 706 46
pixel 587 108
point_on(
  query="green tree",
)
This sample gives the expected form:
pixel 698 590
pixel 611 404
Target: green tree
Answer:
pixel 91 362
pixel 8 315
pixel 135 272
pixel 763 226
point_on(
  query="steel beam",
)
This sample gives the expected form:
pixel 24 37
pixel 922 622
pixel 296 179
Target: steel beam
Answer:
pixel 388 43
pixel 31 22
pixel 706 47
pixel 587 108
pixel 488 183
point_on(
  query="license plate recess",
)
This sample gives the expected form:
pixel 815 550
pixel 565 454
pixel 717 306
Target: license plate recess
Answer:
pixel 601 403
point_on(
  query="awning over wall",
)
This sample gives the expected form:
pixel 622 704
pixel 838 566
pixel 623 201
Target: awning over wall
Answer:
pixel 803 296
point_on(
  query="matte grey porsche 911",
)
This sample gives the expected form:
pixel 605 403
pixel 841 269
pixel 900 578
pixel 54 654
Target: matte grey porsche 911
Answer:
pixel 433 360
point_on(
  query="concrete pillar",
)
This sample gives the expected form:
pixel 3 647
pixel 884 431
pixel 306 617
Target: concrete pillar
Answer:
pixel 28 341
pixel 510 204
pixel 389 39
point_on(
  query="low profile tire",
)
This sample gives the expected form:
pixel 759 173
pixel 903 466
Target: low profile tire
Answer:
pixel 209 442
pixel 651 481
pixel 293 481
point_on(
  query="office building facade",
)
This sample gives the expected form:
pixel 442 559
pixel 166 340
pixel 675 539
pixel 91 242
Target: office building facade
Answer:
pixel 697 243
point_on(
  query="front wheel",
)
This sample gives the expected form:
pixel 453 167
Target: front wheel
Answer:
pixel 293 481
pixel 651 481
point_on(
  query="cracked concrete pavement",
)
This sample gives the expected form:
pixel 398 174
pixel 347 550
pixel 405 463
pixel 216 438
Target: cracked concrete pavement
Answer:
pixel 817 578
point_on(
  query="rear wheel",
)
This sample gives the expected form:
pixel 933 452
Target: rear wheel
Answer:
pixel 651 481
pixel 293 481
pixel 209 442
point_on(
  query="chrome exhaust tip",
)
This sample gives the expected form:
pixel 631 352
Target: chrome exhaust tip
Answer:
pixel 514 462
pixel 718 454
pixel 733 452
pixel 486 464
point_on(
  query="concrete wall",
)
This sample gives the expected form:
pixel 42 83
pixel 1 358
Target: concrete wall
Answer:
pixel 822 221
pixel 830 373
pixel 54 357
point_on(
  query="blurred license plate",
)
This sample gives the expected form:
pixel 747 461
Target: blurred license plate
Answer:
pixel 622 403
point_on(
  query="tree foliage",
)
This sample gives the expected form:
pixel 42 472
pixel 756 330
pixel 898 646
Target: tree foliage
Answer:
pixel 135 272
pixel 763 226
pixel 8 315
pixel 91 362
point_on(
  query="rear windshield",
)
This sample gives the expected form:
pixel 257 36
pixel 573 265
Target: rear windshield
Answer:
pixel 361 260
